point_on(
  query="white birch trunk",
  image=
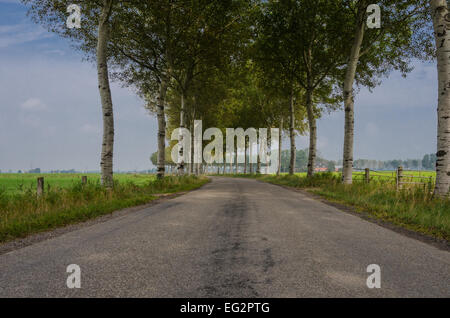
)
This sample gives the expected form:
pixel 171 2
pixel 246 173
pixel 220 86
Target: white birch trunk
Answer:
pixel 441 22
pixel 312 133
pixel 292 135
pixel 236 162
pixel 349 100
pixel 258 166
pixel 245 157
pixel 106 162
pixel 161 130
pixel 250 156
pixel 269 147
pixel 280 140
pixel 191 164
pixel 180 164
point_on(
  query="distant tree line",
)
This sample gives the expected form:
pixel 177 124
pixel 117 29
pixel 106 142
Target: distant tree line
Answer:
pixel 427 163
pixel 301 161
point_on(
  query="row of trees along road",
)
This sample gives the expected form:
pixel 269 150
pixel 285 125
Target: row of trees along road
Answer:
pixel 240 63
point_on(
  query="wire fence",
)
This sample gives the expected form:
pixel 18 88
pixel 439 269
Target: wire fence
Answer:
pixel 402 178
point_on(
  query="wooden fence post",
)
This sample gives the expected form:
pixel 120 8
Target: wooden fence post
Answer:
pixel 84 180
pixel 367 175
pixel 40 186
pixel 399 177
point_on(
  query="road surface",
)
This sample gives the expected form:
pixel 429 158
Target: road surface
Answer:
pixel 231 238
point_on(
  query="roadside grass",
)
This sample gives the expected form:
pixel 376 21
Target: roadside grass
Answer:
pixel 385 175
pixel 24 213
pixel 413 208
pixel 15 183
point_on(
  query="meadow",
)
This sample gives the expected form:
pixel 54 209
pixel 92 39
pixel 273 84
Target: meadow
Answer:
pixel 375 174
pixel 66 200
pixel 15 183
pixel 357 175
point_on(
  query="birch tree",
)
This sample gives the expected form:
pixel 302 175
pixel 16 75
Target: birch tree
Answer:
pixel 170 42
pixel 441 23
pixel 278 64
pixel 140 54
pixel 161 130
pixel 375 52
pixel 104 30
pixel 209 33
pixel 308 35
pixel 347 170
pixel 93 38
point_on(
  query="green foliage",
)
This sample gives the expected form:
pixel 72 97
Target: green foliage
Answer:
pixel 301 45
pixel 301 161
pixel 154 156
pixel 405 34
pixel 429 162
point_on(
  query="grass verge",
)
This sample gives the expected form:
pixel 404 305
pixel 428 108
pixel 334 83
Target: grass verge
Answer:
pixel 16 183
pixel 23 214
pixel 413 208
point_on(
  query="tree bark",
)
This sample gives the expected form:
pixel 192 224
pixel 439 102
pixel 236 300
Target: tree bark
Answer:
pixel 236 158
pixel 250 155
pixel 106 163
pixel 349 101
pixel 292 134
pixel 245 157
pixel 441 22
pixel 258 165
pixel 180 164
pixel 161 130
pixel 312 133
pixel 191 164
pixel 268 152
pixel 280 139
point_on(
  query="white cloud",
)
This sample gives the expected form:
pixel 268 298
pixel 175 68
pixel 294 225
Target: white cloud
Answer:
pixel 33 104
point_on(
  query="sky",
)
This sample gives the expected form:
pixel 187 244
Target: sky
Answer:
pixel 50 112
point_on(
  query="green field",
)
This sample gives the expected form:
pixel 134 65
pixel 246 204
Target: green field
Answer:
pixel 387 175
pixel 16 183
pixel 424 173
pixel 67 201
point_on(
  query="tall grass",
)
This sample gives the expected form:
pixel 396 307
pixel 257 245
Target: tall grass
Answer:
pixel 25 213
pixel 413 207
pixel 20 182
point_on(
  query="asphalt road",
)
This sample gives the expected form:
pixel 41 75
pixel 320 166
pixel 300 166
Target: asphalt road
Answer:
pixel 232 238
